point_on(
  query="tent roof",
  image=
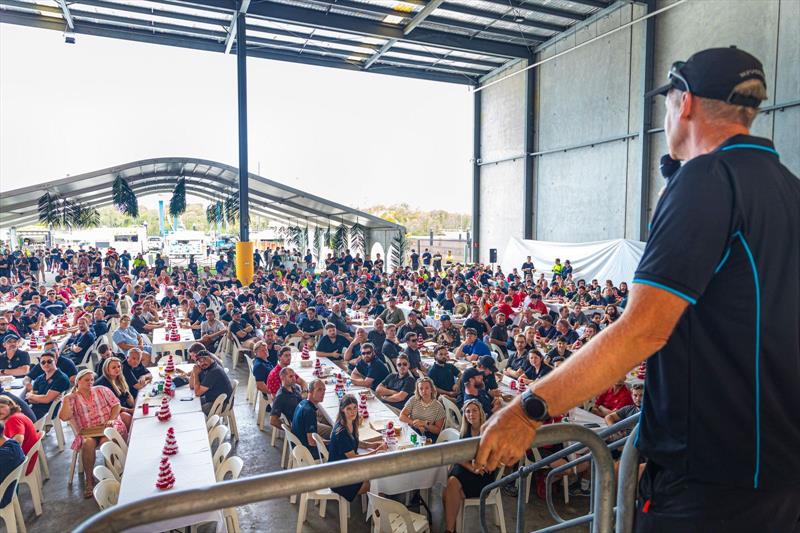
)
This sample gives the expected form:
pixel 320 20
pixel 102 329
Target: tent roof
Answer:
pixel 207 179
pixel 457 41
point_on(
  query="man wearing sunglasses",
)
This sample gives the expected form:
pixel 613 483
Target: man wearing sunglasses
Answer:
pixel 716 293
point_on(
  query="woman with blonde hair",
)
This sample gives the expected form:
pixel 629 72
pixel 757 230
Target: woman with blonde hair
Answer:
pixel 114 380
pixel 465 479
pixel 90 409
pixel 423 411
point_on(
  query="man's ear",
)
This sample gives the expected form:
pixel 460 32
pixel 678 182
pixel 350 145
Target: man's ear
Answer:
pixel 688 104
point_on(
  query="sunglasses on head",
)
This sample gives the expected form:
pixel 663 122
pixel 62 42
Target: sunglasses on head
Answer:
pixel 676 74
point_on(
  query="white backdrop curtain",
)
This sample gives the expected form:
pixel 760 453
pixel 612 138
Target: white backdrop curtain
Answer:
pixel 613 259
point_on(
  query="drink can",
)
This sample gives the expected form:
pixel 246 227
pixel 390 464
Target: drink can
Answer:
pixel 160 387
pixel 413 438
pixel 145 408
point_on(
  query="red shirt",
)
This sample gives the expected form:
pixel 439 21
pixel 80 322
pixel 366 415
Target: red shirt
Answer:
pixel 19 424
pixel 274 380
pixel 615 400
pixel 517 299
pixel 538 306
pixel 506 310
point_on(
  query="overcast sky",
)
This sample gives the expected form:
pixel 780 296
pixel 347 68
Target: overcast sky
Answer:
pixel 359 139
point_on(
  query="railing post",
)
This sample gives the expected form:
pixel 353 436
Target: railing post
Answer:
pixel 626 486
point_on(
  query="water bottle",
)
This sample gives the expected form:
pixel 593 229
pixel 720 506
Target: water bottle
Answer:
pixel 349 382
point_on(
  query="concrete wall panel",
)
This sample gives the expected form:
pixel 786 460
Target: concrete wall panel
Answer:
pixel 501 205
pixel 582 194
pixel 503 117
pixel 587 89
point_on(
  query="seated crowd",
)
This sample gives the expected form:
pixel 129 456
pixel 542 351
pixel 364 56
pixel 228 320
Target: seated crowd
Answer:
pixel 485 324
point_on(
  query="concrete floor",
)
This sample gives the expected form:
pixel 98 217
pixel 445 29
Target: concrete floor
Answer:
pixel 64 506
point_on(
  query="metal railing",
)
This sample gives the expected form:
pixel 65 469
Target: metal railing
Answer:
pixel 602 496
pixel 286 483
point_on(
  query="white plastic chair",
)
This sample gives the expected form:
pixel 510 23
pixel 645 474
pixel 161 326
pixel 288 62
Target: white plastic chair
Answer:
pixel 228 413
pixel 106 493
pixel 218 405
pixel 217 436
pixel 102 472
pixel 447 435
pixel 236 349
pixel 233 466
pixel 76 457
pixel 114 436
pixel 390 365
pixel 282 432
pixel 34 479
pixel 452 412
pixel 294 343
pixel 302 457
pixel 212 422
pixel 498 351
pixel 51 421
pixel 221 454
pixel 39 425
pixel 114 458
pixel 262 403
pixel 494 499
pixel 251 381
pixel 389 516
pixel 12 513
pixel 321 448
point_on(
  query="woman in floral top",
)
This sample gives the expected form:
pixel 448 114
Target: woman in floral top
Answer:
pixel 91 408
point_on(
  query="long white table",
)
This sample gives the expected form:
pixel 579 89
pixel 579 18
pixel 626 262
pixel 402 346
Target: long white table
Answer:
pixel 161 344
pixel 192 465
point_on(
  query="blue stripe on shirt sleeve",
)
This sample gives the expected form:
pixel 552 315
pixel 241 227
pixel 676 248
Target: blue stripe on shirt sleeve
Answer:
pixel 676 292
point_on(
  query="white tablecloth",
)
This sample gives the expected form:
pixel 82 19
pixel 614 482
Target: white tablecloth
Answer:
pixel 192 466
pixel 161 344
pixel 178 405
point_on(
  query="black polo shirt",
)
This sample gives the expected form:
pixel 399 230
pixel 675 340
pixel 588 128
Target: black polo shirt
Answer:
pixel 215 378
pixel 337 345
pixel 20 358
pixel 721 397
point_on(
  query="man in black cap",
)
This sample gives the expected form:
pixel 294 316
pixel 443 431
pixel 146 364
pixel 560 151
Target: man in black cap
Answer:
pixel 716 298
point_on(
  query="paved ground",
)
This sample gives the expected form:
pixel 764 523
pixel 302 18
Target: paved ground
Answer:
pixel 64 506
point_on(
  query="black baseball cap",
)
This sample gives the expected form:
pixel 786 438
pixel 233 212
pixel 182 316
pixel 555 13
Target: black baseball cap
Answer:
pixel 714 73
pixel 487 361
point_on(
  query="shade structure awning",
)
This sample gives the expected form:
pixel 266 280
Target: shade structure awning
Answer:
pixel 206 179
pixel 456 41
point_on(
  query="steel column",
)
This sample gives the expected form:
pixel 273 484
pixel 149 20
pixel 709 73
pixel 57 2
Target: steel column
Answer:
pixel 528 185
pixel 241 71
pixel 646 119
pixel 476 178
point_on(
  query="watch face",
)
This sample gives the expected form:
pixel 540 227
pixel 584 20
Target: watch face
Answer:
pixel 535 407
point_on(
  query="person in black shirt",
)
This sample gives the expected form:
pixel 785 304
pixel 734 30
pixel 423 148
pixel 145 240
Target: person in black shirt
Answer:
pixel 397 387
pixel 243 331
pixel 412 352
pixel 170 299
pixel 286 330
pixel 136 375
pixel 716 293
pixel 208 380
pixel 391 346
pixel 444 374
pixel 412 326
pixel 476 322
pixel 332 344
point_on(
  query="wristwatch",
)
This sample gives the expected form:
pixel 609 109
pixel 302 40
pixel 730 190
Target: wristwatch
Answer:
pixel 534 406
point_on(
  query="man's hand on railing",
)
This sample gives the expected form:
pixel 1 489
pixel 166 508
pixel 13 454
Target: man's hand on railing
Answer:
pixel 505 438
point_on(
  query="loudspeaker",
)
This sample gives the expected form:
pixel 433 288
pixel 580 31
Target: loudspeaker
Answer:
pixel 493 255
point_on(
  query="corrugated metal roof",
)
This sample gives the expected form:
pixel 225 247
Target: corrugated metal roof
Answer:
pixel 457 42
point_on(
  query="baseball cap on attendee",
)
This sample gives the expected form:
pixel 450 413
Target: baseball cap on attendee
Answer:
pixel 10 337
pixel 470 373
pixel 487 361
pixel 236 311
pixel 444 317
pixel 714 73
